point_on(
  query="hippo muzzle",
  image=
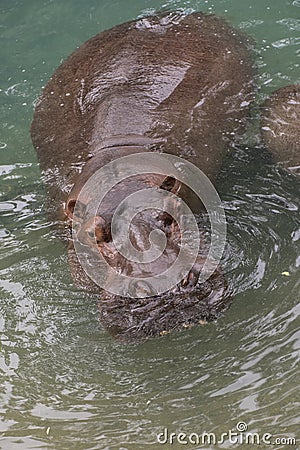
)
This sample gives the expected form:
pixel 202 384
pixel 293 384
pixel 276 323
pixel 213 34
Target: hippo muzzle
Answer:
pixel 140 310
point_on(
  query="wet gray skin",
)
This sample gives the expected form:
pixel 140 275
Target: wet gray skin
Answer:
pixel 167 83
pixel 280 125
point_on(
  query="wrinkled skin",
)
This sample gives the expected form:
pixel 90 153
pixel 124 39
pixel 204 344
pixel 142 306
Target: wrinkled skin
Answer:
pixel 167 83
pixel 280 125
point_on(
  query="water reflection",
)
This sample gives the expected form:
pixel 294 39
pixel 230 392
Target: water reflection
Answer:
pixel 64 382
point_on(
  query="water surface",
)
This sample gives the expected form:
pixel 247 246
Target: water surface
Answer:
pixel 64 382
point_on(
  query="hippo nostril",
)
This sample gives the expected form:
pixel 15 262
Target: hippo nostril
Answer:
pixel 100 230
pixel 107 235
pixel 190 280
pixel 166 219
pixel 103 236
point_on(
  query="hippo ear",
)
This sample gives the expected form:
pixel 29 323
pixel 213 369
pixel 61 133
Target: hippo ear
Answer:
pixel 70 208
pixel 171 184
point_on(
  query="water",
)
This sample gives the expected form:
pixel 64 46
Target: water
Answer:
pixel 64 382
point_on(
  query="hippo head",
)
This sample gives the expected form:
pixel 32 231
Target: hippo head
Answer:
pixel 134 309
pixel 280 126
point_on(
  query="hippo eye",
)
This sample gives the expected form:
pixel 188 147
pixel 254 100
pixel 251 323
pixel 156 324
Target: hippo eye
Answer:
pixel 91 234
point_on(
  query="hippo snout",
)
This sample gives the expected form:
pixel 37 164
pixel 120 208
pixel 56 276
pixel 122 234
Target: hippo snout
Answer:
pixel 137 319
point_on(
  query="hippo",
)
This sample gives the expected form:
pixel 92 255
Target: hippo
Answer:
pixel 280 121
pixel 170 83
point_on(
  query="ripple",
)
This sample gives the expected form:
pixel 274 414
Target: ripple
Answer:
pixel 22 89
pixel 286 42
pixel 252 23
pixel 7 169
pixel 292 24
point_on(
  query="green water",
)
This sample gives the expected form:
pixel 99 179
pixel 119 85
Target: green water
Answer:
pixel 64 383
